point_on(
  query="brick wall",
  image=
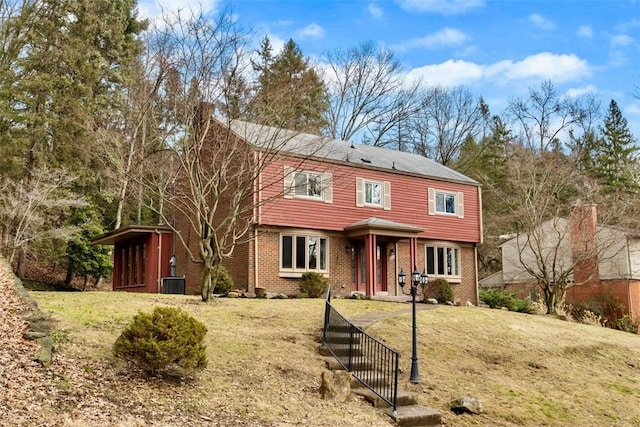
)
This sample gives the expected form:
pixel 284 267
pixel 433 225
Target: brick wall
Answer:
pixel 626 291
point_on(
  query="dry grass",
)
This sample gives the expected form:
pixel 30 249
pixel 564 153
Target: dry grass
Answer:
pixel 264 369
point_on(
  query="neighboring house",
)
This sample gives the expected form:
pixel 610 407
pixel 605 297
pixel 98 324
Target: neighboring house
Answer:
pixel 597 260
pixel 355 213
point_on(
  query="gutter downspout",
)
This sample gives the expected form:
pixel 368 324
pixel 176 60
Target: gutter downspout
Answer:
pixel 475 262
pixel 629 300
pixel 159 280
pixel 255 259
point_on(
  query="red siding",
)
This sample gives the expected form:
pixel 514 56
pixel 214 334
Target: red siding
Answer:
pixel 409 203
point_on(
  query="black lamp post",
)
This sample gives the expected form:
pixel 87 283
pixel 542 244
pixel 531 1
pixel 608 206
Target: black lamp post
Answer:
pixel 416 279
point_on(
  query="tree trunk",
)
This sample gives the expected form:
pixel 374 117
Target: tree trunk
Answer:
pixel 68 277
pixel 205 280
pixel 22 263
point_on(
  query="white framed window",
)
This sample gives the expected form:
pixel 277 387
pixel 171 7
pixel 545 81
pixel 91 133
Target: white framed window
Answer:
pixel 302 252
pixel 443 261
pixel 446 203
pixel 373 193
pixel 308 185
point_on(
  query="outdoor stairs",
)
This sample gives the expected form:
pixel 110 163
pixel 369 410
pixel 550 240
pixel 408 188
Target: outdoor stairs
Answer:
pixel 408 412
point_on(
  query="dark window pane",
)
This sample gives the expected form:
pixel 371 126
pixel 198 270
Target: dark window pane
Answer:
pixel 430 261
pixel 301 253
pixel 323 254
pixel 451 203
pixel 287 252
pixel 440 261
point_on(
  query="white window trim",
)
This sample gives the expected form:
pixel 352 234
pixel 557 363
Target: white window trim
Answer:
pixel 459 202
pixel 454 278
pixel 361 194
pixel 326 190
pixel 297 272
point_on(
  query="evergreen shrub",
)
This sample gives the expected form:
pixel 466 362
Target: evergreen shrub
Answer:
pixel 167 341
pixel 439 289
pixel 224 283
pixel 313 284
pixel 496 298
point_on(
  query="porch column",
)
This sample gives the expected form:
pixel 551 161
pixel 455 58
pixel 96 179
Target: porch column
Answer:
pixel 370 262
pixel 413 249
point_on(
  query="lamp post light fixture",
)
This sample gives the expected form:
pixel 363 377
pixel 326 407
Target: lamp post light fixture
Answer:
pixel 417 278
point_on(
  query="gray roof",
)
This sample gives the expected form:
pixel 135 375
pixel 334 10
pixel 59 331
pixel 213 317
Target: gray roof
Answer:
pixel 358 155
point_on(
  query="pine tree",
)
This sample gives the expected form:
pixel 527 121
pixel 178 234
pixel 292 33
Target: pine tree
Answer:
pixel 614 154
pixel 290 94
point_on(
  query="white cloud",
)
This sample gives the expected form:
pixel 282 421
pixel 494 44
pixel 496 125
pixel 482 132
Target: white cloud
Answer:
pixel 444 7
pixel 622 40
pixel 579 91
pixel 545 65
pixel 541 22
pixel 585 31
pixel 444 37
pixel 375 11
pixel 311 31
pixel 535 68
pixel 450 73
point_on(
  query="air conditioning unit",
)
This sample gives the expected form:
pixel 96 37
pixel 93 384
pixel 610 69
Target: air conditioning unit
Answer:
pixel 173 285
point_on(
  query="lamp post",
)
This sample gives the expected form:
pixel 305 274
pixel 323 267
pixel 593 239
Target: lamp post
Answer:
pixel 416 279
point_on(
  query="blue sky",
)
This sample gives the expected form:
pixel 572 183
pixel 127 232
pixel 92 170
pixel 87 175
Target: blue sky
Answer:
pixel 498 49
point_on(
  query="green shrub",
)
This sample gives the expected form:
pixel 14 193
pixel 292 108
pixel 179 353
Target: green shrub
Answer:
pixel 626 324
pixel 439 289
pixel 496 298
pixel 224 283
pixel 313 284
pixel 168 341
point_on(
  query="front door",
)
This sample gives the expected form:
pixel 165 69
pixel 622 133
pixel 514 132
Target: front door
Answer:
pixel 381 267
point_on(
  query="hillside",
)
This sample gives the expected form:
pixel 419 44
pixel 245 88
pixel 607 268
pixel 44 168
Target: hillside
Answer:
pixel 264 369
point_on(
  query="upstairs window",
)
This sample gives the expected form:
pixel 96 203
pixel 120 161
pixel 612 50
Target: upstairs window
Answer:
pixel 446 203
pixel 308 185
pixel 373 193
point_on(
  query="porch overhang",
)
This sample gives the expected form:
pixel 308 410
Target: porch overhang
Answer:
pixel 128 233
pixel 382 227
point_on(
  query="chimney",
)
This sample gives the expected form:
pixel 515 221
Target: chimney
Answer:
pixel 583 244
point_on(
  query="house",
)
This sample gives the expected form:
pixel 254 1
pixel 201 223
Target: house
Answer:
pixel 355 213
pixel 597 260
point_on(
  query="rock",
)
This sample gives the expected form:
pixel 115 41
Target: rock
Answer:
pixel 450 303
pixel 466 405
pixel 33 335
pixel 470 304
pixel 43 355
pixel 233 295
pixel 336 385
pixel 431 301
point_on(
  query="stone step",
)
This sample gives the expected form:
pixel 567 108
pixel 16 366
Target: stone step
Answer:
pixel 404 398
pixel 343 338
pixel 373 378
pixel 334 365
pixel 415 416
pixel 341 350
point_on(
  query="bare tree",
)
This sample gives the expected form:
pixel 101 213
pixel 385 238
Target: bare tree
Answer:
pixel 210 198
pixel 545 118
pixel 369 97
pixel 556 246
pixel 445 119
pixel 34 209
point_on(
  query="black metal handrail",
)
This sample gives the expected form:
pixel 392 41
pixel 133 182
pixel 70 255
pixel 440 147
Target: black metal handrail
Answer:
pixel 370 361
